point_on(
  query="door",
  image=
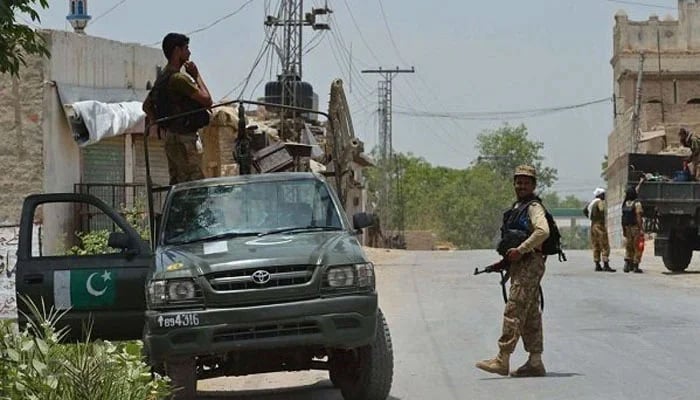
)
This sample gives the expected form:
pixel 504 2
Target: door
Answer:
pixel 101 289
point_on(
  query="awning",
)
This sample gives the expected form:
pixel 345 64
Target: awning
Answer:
pixel 649 135
pixel 98 113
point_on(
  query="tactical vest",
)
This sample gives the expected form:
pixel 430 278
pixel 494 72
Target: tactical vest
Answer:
pixel 629 216
pixel 166 104
pixel 515 228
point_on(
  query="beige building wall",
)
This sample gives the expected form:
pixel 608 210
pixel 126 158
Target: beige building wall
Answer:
pixel 675 45
pixel 38 152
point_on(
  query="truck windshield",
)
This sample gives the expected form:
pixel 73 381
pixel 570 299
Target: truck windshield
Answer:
pixel 250 208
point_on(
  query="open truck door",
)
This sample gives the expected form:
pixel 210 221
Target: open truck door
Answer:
pixel 104 293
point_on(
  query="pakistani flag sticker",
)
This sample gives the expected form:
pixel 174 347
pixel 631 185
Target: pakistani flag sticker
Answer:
pixel 84 289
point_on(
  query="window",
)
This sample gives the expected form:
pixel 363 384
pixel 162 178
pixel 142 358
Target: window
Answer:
pixel 81 9
pixel 694 101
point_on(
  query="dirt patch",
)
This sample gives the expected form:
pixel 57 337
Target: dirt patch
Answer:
pixel 383 256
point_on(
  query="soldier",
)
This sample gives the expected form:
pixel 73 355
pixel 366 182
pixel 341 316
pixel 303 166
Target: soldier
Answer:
pixel 522 316
pixel 599 231
pixel 175 92
pixel 632 228
pixel 691 140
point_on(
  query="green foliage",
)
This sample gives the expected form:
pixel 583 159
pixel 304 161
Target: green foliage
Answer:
pixel 18 40
pixel 505 148
pixel 463 206
pixel 604 168
pixel 35 365
pixel 95 242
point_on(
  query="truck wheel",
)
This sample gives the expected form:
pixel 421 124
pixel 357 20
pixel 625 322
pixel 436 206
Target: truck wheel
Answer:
pixel 677 256
pixel 366 373
pixel 183 374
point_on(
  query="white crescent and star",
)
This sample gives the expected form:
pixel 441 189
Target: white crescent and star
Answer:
pixel 106 276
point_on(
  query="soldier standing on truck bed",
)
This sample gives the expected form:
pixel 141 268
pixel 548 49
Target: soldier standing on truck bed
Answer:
pixel 691 140
pixel 632 228
pixel 173 93
pixel 599 231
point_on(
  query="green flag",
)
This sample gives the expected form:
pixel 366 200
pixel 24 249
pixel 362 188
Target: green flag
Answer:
pixel 84 289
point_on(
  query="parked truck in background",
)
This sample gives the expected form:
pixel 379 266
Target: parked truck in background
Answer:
pixel 671 206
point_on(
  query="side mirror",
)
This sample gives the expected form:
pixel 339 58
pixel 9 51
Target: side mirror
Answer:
pixel 121 241
pixel 363 220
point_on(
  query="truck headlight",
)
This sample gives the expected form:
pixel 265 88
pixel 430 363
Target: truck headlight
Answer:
pixel 175 291
pixel 356 275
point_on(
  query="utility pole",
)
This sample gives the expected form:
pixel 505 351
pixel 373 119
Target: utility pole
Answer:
pixel 637 105
pixel 386 149
pixel 290 46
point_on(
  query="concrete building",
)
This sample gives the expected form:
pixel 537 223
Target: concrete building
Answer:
pixel 669 92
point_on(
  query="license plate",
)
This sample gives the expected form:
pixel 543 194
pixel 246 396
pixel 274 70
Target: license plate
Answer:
pixel 178 320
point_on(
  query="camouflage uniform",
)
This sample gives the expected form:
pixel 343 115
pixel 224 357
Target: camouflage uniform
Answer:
pixel 693 141
pixel 522 316
pixel 184 162
pixel 631 230
pixel 599 232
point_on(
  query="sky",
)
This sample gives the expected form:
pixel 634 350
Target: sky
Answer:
pixel 469 56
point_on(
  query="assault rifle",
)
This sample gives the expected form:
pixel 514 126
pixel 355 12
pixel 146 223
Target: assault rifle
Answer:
pixel 502 267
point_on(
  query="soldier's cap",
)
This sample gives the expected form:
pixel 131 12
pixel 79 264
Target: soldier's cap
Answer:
pixel 525 170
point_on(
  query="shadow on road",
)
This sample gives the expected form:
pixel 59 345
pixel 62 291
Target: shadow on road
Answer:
pixel 680 273
pixel 322 390
pixel 549 375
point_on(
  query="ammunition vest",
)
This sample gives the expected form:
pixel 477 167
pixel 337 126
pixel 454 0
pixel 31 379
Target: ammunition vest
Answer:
pixel 629 216
pixel 166 104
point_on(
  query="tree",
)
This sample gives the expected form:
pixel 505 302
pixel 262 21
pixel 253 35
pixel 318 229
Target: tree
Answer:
pixel 505 148
pixel 18 40
pixel 604 168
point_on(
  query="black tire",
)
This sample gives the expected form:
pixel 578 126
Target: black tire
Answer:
pixel 366 373
pixel 677 256
pixel 183 375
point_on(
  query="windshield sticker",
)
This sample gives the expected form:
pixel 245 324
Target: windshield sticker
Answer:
pixel 84 289
pixel 264 241
pixel 215 247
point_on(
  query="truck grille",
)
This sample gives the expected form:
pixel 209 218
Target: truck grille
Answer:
pixel 243 279
pixel 267 331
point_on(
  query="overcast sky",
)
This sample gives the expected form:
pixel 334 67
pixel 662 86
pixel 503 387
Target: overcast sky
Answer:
pixel 469 56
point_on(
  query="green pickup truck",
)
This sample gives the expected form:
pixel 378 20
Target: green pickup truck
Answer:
pixel 250 274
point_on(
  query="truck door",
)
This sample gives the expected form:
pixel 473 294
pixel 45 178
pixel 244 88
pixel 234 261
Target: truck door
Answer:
pixel 101 290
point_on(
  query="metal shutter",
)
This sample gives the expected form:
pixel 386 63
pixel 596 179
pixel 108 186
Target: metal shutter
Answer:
pixel 103 162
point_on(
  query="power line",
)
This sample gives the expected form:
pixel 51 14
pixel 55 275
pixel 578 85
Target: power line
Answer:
pixel 391 36
pixel 211 24
pixel 227 16
pixel 359 31
pixel 498 115
pixel 635 3
pixel 106 12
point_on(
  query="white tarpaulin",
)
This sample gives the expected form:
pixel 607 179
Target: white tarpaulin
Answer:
pixel 104 120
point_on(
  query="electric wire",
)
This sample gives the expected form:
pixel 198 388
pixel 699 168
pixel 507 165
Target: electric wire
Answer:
pixel 359 31
pixel 92 22
pixel 391 36
pixel 636 3
pixel 220 19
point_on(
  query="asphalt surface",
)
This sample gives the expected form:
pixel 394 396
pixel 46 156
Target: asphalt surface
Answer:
pixel 607 335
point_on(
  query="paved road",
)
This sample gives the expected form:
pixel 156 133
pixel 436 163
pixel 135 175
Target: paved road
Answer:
pixel 607 336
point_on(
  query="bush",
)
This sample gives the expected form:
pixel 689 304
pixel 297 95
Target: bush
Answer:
pixel 35 365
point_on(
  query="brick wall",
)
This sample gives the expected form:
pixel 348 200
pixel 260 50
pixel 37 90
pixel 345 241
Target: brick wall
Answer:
pixel 21 144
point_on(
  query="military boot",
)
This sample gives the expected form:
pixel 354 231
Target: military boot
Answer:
pixel 606 267
pixel 598 268
pixel 627 266
pixel 497 365
pixel 532 367
pixel 635 268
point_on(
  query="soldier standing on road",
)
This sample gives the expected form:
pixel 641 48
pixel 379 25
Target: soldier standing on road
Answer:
pixel 522 316
pixel 691 140
pixel 632 228
pixel 599 231
pixel 176 92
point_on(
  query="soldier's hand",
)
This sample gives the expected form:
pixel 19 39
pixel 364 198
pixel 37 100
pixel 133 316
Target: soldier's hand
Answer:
pixel 513 255
pixel 191 68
